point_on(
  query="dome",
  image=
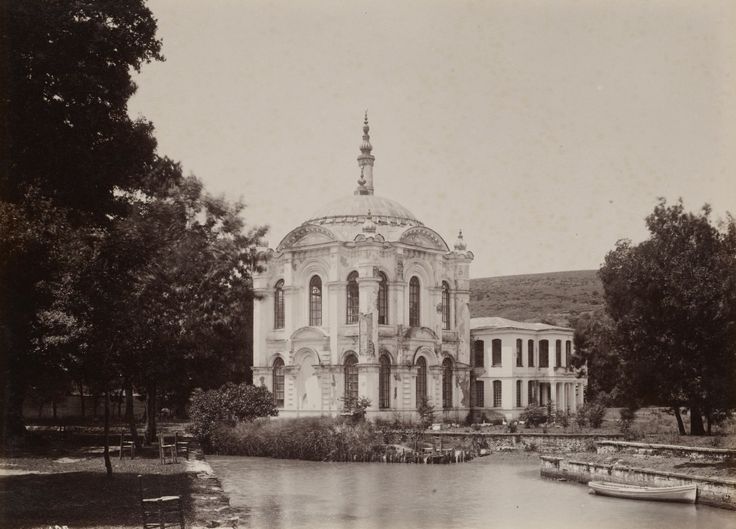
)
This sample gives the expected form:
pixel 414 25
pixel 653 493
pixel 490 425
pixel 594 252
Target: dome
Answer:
pixel 355 209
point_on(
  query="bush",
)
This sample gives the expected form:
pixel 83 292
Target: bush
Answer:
pixel 533 415
pixel 227 405
pixel 426 413
pixel 626 420
pixel 356 407
pixel 562 418
pixel 591 413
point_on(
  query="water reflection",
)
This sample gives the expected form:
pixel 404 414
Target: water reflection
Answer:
pixel 283 494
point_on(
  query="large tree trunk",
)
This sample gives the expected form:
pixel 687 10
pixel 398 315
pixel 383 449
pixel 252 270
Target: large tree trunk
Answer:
pixel 680 424
pixel 130 415
pixel 106 452
pixel 150 413
pixel 696 422
pixel 81 398
pixel 709 419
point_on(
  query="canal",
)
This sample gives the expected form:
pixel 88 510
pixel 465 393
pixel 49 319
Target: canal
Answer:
pixel 485 493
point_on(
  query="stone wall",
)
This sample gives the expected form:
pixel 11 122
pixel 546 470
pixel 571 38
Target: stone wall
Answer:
pixel 532 442
pixel 210 505
pixel 717 492
pixel 649 449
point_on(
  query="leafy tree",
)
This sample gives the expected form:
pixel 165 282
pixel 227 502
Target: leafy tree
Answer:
pixel 596 356
pixel 67 145
pixel 672 299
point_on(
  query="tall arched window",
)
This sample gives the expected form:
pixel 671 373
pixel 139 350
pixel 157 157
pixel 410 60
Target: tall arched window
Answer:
pixel 518 393
pixel 519 354
pixel 278 382
pixel 414 302
pixel 496 393
pixel 384 382
pixel 351 378
pixel 558 353
pixel 478 353
pixel 544 353
pixel 496 356
pixel 383 299
pixel 445 305
pixel 479 387
pixel 421 379
pixel 530 345
pixel 315 301
pixel 568 354
pixel 278 305
pixel 447 383
pixel 352 302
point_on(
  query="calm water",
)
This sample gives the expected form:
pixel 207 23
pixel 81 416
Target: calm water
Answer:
pixel 484 493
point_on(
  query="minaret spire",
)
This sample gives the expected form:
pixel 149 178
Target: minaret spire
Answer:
pixel 365 161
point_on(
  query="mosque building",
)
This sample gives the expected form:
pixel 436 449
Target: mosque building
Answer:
pixel 364 300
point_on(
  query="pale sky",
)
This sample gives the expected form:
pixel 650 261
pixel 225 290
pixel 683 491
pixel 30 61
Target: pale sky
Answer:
pixel 544 129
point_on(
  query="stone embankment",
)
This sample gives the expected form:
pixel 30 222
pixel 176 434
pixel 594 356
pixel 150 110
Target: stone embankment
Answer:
pixel 210 505
pixel 531 442
pixel 650 449
pixel 714 491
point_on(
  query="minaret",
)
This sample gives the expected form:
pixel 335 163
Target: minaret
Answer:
pixel 365 162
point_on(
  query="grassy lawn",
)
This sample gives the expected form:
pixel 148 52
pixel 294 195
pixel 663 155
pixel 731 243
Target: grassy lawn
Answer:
pixel 64 483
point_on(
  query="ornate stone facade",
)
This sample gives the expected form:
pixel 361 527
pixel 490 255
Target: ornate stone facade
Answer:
pixel 311 318
pixel 364 300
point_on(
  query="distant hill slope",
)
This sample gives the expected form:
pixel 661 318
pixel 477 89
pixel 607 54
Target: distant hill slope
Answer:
pixel 552 297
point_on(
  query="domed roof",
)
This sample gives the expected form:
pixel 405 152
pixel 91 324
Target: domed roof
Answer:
pixel 356 208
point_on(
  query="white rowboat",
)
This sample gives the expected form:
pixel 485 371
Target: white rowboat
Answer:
pixel 682 493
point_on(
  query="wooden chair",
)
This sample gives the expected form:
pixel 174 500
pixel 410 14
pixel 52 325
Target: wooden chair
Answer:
pixel 126 443
pixel 181 445
pixel 164 447
pixel 160 511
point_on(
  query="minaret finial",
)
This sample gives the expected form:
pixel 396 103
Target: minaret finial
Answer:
pixel 365 160
pixel 460 245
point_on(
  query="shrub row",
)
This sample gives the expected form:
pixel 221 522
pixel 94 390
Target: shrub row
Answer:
pixel 314 439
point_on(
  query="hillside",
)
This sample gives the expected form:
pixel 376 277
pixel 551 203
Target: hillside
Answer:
pixel 551 297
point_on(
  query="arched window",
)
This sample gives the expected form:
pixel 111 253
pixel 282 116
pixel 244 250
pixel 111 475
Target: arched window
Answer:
pixel 278 382
pixel 558 353
pixel 478 353
pixel 530 348
pixel 384 382
pixel 519 354
pixel 278 305
pixel 531 398
pixel 351 379
pixel 544 353
pixel 496 352
pixel 568 354
pixel 447 383
pixel 496 393
pixel 315 301
pixel 352 305
pixel 518 393
pixel 414 302
pixel 479 393
pixel 421 379
pixel 383 299
pixel 445 305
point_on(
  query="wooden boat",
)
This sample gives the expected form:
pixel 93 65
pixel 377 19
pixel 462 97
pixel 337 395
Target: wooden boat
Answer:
pixel 681 493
